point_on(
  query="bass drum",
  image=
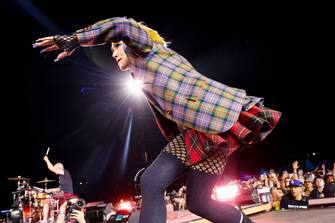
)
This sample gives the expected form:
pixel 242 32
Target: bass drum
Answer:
pixel 30 213
pixel 23 214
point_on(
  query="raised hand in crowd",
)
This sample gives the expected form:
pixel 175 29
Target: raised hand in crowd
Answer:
pixel 295 166
pixel 323 166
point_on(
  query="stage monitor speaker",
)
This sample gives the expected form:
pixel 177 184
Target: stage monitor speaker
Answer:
pixel 95 213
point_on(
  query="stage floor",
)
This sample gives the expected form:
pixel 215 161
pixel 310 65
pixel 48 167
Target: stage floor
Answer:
pixel 313 215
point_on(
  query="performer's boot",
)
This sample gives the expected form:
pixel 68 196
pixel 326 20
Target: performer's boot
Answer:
pixel 246 219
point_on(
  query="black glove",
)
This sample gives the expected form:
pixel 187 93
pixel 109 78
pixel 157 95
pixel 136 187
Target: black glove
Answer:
pixel 66 42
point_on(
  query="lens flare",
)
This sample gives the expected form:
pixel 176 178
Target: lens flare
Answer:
pixel 134 86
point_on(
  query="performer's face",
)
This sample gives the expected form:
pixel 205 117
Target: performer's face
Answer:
pixel 120 56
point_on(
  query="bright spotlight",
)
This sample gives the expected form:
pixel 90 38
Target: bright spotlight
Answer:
pixel 226 192
pixel 125 206
pixel 236 194
pixel 134 86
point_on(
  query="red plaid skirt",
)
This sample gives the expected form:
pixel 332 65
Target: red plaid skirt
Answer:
pixel 251 127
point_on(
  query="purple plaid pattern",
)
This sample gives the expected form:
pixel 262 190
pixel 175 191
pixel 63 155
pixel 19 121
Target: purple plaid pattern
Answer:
pixel 185 96
pixel 115 30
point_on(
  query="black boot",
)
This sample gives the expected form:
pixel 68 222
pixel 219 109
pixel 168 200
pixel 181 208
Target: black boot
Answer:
pixel 246 219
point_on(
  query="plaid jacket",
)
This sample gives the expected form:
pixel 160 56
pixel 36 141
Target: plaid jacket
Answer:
pixel 172 86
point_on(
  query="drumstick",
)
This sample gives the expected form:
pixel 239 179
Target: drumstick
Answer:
pixel 47 151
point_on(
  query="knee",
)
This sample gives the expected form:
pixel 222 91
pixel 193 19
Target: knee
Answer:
pixel 149 182
pixel 194 206
pixel 195 209
pixel 197 201
pixel 145 180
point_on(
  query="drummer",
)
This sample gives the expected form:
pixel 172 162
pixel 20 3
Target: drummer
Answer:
pixel 65 185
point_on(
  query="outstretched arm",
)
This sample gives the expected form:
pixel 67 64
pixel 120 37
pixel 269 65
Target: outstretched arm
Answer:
pixel 67 44
pixel 115 30
pixel 110 30
pixel 52 168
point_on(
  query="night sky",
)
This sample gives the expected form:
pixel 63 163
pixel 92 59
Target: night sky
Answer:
pixel 79 107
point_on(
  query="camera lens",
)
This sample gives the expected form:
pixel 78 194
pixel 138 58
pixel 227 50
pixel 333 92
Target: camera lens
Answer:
pixel 80 203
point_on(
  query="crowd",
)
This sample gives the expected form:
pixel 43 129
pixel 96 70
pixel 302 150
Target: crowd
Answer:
pixel 293 190
pixel 283 189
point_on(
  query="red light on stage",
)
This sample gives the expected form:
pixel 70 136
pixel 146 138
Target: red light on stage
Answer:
pixel 125 206
pixel 227 192
pixel 233 193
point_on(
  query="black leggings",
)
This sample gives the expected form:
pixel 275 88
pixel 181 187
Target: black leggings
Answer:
pixel 162 172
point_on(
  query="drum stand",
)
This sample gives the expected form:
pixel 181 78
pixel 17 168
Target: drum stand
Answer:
pixel 53 210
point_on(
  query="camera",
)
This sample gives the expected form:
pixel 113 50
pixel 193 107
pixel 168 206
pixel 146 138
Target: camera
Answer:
pixel 74 204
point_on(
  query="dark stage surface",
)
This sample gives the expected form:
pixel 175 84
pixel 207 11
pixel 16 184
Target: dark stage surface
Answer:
pixel 79 107
pixel 320 215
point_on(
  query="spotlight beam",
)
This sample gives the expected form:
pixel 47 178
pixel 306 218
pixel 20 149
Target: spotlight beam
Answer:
pixel 134 86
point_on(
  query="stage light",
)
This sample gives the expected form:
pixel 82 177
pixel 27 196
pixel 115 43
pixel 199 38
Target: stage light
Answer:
pixel 134 86
pixel 233 193
pixel 227 192
pixel 125 206
pixel 123 211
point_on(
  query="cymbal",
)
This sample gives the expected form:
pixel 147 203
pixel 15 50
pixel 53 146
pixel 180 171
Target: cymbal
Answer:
pixel 45 181
pixel 18 178
pixel 38 189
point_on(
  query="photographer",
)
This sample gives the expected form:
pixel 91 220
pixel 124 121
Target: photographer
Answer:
pixel 72 211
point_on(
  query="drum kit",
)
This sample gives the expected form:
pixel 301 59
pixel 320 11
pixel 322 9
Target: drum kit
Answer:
pixel 28 201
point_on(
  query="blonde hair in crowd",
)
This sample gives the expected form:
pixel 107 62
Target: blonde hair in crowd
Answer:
pixel 154 35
